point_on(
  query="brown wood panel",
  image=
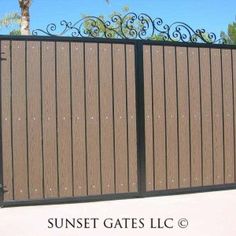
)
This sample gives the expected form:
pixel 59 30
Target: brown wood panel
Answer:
pixel 78 125
pixel 6 119
pixel 84 141
pixel 171 118
pixel 217 117
pixel 132 136
pixel 234 89
pixel 159 118
pixel 195 116
pixel 49 120
pixel 183 104
pixel 106 112
pixel 120 118
pixel 207 165
pixel 92 110
pixel 64 120
pixel 148 117
pixel 34 120
pixel 19 121
pixel 228 116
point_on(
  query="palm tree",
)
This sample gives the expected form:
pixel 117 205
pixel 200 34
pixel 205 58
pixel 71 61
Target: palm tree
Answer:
pixel 25 16
pixel 9 20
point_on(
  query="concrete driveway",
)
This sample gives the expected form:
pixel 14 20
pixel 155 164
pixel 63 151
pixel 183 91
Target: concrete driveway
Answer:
pixel 201 214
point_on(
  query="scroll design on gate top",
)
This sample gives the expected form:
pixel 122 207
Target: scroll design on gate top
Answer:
pixel 130 26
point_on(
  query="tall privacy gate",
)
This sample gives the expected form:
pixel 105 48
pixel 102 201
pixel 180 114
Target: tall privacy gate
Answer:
pixel 86 119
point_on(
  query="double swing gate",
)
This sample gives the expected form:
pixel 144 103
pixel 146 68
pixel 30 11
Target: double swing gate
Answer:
pixel 94 119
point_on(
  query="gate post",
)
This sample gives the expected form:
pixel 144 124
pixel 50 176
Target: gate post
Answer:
pixel 140 117
pixel 1 157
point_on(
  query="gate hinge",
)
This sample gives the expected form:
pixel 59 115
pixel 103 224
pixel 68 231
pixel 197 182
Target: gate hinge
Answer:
pixel 3 189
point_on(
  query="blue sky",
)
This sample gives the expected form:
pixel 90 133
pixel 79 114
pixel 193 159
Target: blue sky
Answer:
pixel 213 15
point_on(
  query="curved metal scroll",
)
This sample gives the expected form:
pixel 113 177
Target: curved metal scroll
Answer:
pixel 130 26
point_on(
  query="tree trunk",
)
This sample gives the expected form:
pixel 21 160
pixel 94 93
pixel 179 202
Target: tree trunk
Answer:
pixel 25 17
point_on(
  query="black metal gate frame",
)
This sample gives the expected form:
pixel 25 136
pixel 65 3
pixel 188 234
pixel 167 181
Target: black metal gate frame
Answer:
pixel 140 121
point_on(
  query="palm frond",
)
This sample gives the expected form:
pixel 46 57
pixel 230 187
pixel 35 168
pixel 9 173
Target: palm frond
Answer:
pixel 9 19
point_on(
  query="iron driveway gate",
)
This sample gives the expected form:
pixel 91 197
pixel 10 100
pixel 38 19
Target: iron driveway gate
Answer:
pixel 85 119
pixel 68 120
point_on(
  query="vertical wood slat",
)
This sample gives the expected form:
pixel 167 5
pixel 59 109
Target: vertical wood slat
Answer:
pixel 49 119
pixel 19 121
pixel 120 118
pixel 6 119
pixel 196 166
pixel 148 117
pixel 207 168
pixel 63 119
pixel 217 117
pixel 233 57
pixel 132 136
pixel 34 120
pixel 92 119
pixel 183 104
pixel 228 115
pixel 107 149
pixel 171 118
pixel 78 125
pixel 159 118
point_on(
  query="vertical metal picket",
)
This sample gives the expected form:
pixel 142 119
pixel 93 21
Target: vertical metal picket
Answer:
pixel 140 118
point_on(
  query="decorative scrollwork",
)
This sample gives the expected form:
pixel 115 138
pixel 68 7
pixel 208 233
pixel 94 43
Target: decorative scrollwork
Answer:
pixel 130 26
